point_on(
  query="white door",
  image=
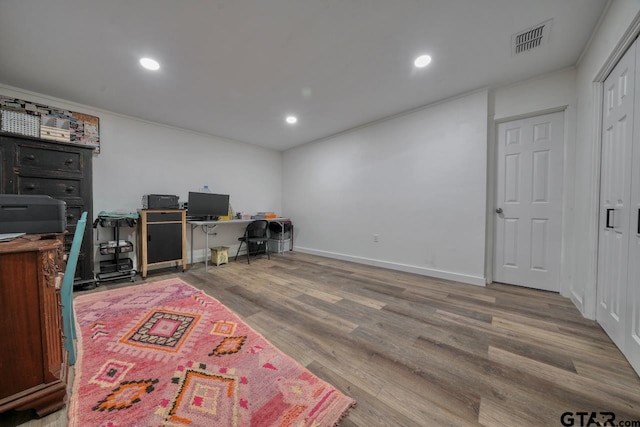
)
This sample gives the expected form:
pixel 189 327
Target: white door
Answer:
pixel 632 330
pixel 529 202
pixel 615 194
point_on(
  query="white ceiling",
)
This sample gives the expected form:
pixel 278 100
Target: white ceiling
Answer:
pixel 236 68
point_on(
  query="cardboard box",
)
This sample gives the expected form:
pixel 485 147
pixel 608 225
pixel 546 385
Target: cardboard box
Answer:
pixel 220 255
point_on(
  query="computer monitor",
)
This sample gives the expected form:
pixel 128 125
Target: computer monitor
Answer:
pixel 207 206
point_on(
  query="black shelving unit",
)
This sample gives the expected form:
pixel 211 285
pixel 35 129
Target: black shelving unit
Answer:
pixel 119 266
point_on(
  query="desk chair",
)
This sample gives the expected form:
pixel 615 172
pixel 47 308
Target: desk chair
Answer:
pixel 67 289
pixel 257 232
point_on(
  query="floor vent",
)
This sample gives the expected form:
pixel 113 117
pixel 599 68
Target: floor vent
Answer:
pixel 530 38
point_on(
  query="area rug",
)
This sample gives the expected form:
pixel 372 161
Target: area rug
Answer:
pixel 166 354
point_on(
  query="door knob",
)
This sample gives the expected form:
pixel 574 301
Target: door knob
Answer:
pixel 499 210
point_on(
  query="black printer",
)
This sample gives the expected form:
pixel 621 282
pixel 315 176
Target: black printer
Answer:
pixel 160 201
pixel 20 213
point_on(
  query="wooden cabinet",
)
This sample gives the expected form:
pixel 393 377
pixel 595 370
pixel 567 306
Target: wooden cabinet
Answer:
pixel 162 238
pixel 33 360
pixel 60 170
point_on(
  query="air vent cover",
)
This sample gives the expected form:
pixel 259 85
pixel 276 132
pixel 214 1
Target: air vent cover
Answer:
pixel 530 38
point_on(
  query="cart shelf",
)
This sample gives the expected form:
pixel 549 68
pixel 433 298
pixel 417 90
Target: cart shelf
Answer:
pixel 118 266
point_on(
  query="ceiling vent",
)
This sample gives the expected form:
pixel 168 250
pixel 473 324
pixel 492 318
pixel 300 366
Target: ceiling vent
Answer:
pixel 530 38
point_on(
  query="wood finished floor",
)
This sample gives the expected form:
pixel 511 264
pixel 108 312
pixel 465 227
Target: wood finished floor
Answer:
pixel 415 351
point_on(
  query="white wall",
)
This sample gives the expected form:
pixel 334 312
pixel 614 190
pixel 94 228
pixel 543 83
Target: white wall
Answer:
pixel 139 157
pixel 417 180
pixel 540 94
pixel 620 15
pixel 550 92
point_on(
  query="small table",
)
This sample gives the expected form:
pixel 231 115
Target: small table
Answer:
pixel 209 226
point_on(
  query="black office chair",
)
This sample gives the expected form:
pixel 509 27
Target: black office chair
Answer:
pixel 255 235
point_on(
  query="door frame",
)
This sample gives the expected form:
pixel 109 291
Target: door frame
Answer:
pixel 492 183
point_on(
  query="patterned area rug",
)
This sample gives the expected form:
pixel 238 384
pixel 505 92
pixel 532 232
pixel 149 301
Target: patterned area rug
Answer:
pixel 165 353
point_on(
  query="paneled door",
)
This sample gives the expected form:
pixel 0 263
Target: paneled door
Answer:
pixel 528 216
pixel 632 300
pixel 618 298
pixel 615 195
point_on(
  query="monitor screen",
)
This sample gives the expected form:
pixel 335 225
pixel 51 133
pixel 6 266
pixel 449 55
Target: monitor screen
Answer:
pixel 207 206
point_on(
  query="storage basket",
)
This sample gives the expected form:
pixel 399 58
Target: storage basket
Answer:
pixel 19 122
pixel 279 246
pixel 112 247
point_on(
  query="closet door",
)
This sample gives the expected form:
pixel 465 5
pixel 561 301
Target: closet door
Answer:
pixel 632 344
pixel 615 194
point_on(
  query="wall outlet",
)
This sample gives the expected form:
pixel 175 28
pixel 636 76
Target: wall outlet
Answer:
pixel 376 238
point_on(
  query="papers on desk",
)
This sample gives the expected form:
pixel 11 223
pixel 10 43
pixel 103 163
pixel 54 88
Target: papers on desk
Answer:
pixel 10 236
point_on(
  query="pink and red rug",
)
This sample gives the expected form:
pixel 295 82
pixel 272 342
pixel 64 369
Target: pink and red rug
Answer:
pixel 166 354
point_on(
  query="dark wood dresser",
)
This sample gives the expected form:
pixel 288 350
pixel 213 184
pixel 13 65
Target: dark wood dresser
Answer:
pixel 33 360
pixel 60 170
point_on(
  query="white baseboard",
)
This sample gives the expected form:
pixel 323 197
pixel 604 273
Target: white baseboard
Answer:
pixel 438 274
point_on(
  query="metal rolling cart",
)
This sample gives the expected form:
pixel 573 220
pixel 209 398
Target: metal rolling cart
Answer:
pixel 118 266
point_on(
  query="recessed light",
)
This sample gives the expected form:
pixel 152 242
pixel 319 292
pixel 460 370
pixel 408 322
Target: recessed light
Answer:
pixel 150 64
pixel 422 61
pixel 291 120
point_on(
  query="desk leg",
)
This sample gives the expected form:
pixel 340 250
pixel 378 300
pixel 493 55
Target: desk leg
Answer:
pixel 191 243
pixel 207 229
pixel 206 249
pixel 281 246
pixel 291 246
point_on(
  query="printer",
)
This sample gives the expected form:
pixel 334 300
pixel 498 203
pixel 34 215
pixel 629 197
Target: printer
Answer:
pixel 39 214
pixel 160 201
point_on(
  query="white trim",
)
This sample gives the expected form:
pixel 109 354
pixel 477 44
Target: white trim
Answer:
pixel 558 109
pixel 587 46
pixel 491 195
pixel 568 201
pixel 576 299
pixel 587 304
pixel 621 48
pixel 438 274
